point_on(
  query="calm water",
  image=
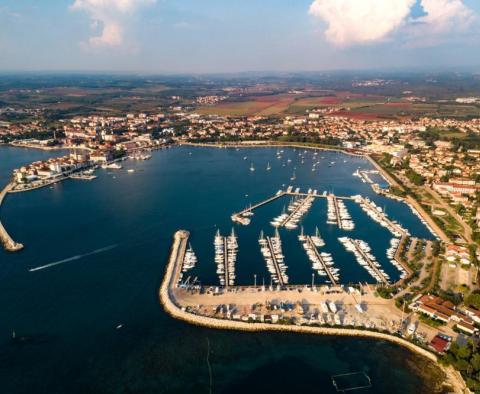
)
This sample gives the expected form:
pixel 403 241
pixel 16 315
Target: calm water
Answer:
pixel 111 237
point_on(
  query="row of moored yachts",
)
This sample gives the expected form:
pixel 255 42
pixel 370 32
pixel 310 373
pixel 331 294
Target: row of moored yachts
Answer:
pixel 378 215
pixel 365 258
pixel 226 249
pixel 297 208
pixel 271 248
pixel 337 213
pixel 391 251
pixel 321 262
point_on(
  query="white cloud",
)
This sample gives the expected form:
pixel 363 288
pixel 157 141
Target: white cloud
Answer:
pixel 111 17
pixel 351 22
pixel 446 15
pixel 360 21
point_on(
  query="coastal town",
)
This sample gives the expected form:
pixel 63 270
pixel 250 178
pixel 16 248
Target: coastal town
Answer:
pixel 434 304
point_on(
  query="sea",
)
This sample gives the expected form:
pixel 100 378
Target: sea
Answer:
pixel 82 297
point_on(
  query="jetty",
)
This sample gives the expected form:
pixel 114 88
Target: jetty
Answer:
pixel 337 210
pixel 226 262
pixel 9 244
pixel 242 216
pixel 239 216
pixel 371 264
pixel 278 271
pixel 326 268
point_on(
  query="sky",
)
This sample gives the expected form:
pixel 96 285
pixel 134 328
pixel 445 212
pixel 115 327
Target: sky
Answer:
pixel 218 36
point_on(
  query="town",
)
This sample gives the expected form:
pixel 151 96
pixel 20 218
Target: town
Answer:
pixel 431 161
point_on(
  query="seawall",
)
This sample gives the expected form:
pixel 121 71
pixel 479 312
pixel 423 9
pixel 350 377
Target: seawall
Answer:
pixel 9 244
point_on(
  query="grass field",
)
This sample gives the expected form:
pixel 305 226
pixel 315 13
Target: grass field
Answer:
pixel 352 105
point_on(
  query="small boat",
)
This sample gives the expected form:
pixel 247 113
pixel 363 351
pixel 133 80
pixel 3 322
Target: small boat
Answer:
pixel 130 170
pixel 293 176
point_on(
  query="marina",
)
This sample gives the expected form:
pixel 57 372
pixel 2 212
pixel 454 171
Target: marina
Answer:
pixel 362 250
pixel 271 248
pixel 297 208
pixel 377 214
pixel 226 257
pixel 126 275
pixel 322 263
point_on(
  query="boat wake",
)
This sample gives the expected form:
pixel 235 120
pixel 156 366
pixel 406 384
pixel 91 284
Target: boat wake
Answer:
pixel 73 258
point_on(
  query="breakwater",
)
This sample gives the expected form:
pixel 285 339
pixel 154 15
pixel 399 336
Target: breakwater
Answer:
pixel 174 308
pixel 7 241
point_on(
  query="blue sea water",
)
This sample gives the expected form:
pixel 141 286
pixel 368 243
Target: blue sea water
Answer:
pixel 111 238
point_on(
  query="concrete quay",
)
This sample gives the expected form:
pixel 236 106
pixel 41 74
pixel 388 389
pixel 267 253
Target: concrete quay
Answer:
pixel 9 244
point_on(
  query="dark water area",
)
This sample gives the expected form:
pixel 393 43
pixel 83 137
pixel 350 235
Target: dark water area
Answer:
pixel 107 242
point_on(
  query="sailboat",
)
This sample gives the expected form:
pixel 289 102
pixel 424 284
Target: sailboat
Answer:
pixel 269 167
pixel 301 237
pixel 252 168
pixel 293 176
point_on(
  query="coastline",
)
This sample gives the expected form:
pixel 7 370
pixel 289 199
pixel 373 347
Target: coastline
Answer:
pixel 9 244
pixel 269 144
pixel 39 147
pixel 167 300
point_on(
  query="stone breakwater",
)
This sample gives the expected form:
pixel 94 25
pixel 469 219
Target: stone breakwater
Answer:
pixel 172 307
pixel 7 241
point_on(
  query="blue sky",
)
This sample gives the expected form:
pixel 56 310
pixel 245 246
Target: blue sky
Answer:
pixel 199 36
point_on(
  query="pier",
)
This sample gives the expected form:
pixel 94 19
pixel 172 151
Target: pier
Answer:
pixel 275 262
pixel 238 216
pixel 9 244
pixel 296 210
pixel 337 211
pixel 394 228
pixel 320 259
pixel 225 262
pixel 369 262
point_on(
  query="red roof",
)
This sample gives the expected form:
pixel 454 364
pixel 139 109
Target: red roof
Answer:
pixel 439 344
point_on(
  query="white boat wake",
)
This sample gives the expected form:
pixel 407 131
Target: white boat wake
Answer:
pixel 78 257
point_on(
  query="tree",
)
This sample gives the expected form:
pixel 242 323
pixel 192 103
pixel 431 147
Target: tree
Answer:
pixel 473 300
pixel 476 362
pixel 464 352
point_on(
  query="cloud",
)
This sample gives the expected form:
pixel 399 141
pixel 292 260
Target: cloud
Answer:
pixel 443 16
pixel 110 17
pixel 354 22
pixel 359 22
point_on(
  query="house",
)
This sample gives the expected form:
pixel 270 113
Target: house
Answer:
pixel 457 253
pixel 440 344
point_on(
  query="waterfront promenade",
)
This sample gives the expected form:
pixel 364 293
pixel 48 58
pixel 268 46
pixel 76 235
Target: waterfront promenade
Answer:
pixel 179 303
pixel 7 241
